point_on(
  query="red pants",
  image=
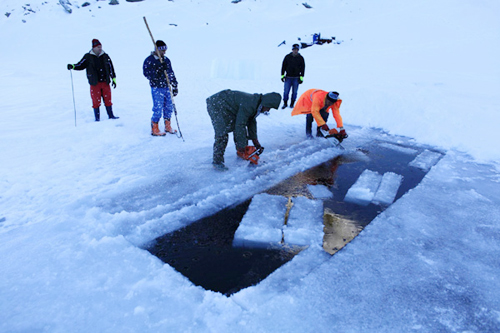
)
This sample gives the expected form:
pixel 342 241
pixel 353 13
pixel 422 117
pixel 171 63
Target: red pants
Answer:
pixel 100 90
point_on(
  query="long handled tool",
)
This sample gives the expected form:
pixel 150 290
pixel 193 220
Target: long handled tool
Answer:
pixel 73 90
pixel 166 76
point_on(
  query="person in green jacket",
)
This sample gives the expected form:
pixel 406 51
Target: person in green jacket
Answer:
pixel 236 111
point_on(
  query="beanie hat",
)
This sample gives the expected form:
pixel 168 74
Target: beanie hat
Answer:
pixel 95 42
pixel 295 46
pixel 333 96
pixel 161 45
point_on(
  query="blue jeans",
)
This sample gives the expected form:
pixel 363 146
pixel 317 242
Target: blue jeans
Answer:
pixel 162 104
pixel 291 82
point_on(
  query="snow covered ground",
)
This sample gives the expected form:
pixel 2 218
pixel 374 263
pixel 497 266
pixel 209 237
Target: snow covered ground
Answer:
pixel 77 203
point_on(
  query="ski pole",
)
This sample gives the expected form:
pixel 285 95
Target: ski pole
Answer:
pixel 166 76
pixel 73 90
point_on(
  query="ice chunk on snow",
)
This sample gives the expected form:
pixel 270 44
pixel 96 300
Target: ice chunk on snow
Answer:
pixel 364 189
pixel 263 222
pixel 320 191
pixel 305 222
pixel 425 160
pixel 388 188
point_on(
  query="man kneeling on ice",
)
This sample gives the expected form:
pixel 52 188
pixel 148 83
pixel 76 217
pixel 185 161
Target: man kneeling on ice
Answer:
pixel 316 104
pixel 236 111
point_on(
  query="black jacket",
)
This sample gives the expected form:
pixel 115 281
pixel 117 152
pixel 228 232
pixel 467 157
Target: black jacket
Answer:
pixel 293 66
pixel 99 68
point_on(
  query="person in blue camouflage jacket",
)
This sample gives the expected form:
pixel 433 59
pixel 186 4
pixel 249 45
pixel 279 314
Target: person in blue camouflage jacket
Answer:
pixel 154 71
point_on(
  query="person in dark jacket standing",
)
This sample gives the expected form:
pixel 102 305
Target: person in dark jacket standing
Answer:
pixel 100 73
pixel 294 66
pixel 154 71
pixel 236 111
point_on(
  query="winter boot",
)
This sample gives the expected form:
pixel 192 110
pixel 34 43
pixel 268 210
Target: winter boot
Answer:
pixel 169 128
pixel 220 166
pixel 109 110
pixel 285 104
pixel 97 114
pixel 291 104
pixel 155 131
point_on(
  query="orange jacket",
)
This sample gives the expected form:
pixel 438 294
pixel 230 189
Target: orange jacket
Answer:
pixel 312 101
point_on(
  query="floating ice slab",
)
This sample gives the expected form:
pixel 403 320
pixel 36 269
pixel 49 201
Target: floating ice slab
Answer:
pixel 425 160
pixel 364 189
pixel 388 188
pixel 263 222
pixel 305 222
pixel 320 191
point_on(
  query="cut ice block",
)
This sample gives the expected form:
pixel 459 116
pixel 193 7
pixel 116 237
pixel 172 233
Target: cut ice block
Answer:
pixel 364 189
pixel 263 222
pixel 388 188
pixel 305 222
pixel 425 160
pixel 320 191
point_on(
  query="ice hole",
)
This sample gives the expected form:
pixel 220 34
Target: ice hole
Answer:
pixel 238 247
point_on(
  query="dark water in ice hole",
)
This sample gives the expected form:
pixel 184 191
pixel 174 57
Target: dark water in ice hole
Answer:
pixel 203 251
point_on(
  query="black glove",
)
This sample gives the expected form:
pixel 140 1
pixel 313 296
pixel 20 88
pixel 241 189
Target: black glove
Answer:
pixel 70 66
pixel 175 91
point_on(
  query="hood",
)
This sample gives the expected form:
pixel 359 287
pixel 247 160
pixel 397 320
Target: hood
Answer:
pixel 271 100
pixel 101 54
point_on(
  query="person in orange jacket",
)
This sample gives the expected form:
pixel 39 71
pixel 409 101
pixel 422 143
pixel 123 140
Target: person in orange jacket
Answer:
pixel 316 103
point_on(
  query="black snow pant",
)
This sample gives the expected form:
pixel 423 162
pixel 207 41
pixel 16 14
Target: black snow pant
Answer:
pixel 309 121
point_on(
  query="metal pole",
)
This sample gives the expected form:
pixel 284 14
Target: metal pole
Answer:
pixel 166 76
pixel 73 90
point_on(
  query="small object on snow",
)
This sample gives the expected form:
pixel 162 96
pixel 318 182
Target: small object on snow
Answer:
pixel 85 4
pixel 171 23
pixel 306 5
pixel 114 2
pixel 66 5
pixel 134 0
pixel 7 14
pixel 235 1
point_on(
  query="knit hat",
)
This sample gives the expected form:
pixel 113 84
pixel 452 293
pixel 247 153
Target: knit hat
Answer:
pixel 95 42
pixel 333 96
pixel 295 46
pixel 161 45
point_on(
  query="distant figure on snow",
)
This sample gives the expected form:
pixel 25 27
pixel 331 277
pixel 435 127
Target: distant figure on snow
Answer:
pixel 236 111
pixel 316 104
pixel 100 73
pixel 154 70
pixel 294 66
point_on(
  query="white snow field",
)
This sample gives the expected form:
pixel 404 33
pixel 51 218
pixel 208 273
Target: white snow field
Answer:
pixel 78 203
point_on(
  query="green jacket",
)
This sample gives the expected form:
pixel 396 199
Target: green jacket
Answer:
pixel 235 111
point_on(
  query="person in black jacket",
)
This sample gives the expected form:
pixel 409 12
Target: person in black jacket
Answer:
pixel 294 66
pixel 100 73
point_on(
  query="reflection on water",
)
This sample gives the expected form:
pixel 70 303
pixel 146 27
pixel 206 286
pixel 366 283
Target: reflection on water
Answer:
pixel 338 231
